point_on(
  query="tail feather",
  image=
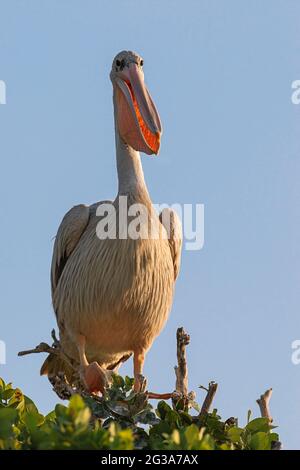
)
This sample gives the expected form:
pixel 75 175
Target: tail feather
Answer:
pixel 53 365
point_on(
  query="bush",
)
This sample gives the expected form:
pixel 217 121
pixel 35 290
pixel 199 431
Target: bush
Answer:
pixel 122 420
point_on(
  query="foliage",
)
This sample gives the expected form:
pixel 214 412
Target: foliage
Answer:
pixel 122 420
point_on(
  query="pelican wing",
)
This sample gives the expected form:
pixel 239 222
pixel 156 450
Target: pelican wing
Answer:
pixel 68 235
pixel 171 222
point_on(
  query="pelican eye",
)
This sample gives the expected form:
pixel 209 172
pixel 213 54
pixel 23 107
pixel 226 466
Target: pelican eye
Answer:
pixel 118 62
pixel 141 63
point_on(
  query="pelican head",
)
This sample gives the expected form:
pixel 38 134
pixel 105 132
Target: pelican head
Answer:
pixel 137 119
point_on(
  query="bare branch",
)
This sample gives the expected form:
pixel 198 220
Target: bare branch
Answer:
pixel 56 342
pixel 264 405
pixel 41 348
pixel 181 370
pixel 211 391
pixel 54 349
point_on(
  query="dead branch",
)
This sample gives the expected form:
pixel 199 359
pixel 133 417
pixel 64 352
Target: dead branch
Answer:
pixel 54 349
pixel 56 342
pixel 264 404
pixel 211 391
pixel 42 347
pixel 59 382
pixel 181 370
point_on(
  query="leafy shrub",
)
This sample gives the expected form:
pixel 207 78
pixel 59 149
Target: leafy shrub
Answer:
pixel 122 420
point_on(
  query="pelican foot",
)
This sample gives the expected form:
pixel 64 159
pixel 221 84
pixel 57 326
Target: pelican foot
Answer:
pixel 94 378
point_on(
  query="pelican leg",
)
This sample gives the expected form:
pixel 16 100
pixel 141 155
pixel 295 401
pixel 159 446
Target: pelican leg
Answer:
pixel 92 375
pixel 138 364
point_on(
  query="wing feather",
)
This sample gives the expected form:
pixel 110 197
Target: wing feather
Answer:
pixel 68 235
pixel 171 221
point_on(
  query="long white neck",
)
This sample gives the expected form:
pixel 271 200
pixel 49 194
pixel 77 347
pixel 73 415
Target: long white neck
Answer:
pixel 130 172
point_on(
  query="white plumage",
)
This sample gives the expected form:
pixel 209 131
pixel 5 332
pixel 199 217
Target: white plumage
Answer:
pixel 112 297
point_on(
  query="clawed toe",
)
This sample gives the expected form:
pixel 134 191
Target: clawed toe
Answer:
pixel 140 383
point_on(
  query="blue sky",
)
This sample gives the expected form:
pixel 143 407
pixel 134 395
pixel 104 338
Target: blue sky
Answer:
pixel 220 74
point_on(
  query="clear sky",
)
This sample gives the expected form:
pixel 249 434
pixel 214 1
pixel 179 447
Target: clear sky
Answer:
pixel 220 74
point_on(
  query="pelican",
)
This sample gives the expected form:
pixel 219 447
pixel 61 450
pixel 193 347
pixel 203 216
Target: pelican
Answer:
pixel 112 296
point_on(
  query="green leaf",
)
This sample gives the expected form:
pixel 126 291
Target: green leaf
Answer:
pixel 76 403
pixel 122 420
pixel 234 434
pixel 161 428
pixel 260 441
pixel 17 400
pixel 29 405
pixel 8 417
pixel 207 443
pixel 129 383
pixel 163 408
pixel 61 410
pixel 146 417
pixel 191 434
pixel 258 424
pixel 274 436
pixel 118 381
pixel 7 394
pixel 186 419
pixel 83 417
pixel 50 416
pixel 33 420
pixel 195 406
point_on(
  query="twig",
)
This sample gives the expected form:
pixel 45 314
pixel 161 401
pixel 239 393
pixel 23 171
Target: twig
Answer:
pixel 42 347
pixel 211 391
pixel 56 342
pixel 54 349
pixel 181 370
pixel 264 405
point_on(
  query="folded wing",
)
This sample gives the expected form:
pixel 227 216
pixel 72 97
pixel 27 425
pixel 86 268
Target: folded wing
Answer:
pixel 68 235
pixel 171 221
